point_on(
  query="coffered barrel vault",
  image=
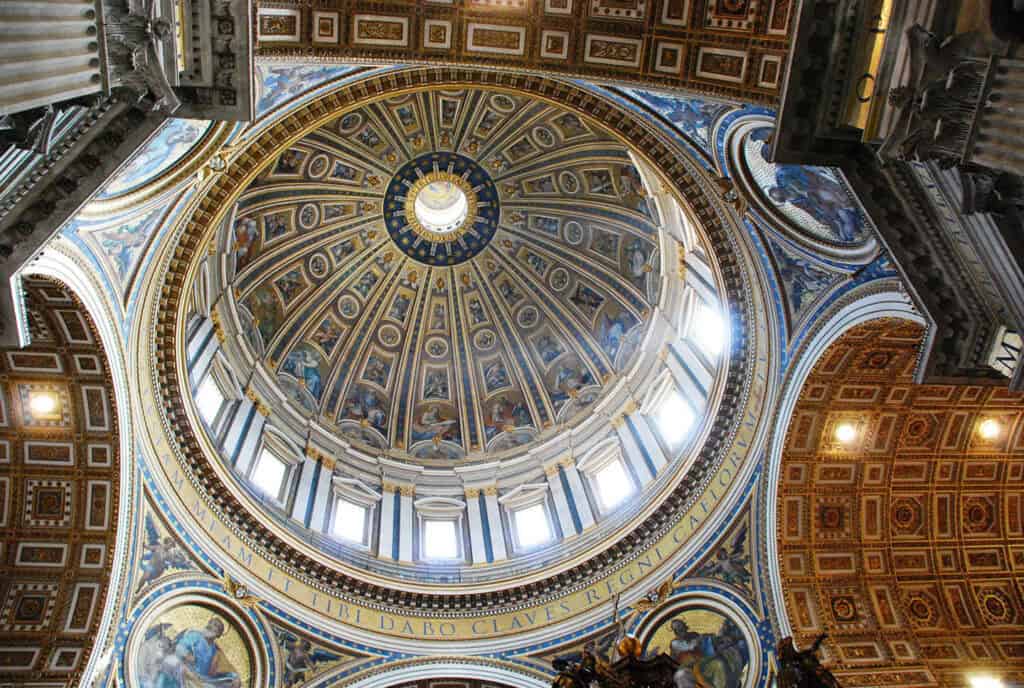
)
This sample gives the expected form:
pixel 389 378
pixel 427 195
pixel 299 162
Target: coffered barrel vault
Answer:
pixel 905 544
pixel 736 49
pixel 59 488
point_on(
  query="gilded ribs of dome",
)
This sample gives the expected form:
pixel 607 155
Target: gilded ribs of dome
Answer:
pixel 553 577
pixel 371 330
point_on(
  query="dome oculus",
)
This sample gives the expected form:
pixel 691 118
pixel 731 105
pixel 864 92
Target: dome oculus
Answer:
pixel 441 209
pixel 440 206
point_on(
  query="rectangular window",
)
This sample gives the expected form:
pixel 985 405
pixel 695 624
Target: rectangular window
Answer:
pixel 673 418
pixel 613 485
pixel 209 399
pixel 440 539
pixel 349 521
pixel 532 527
pixel 708 330
pixel 268 474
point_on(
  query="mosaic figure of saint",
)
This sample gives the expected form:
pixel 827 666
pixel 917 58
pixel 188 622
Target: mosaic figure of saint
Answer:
pixel 192 659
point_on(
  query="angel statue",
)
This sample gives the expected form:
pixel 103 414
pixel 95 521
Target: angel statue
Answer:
pixel 802 668
pixel 136 36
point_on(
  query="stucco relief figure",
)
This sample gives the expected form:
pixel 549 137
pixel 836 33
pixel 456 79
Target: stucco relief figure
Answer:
pixel 135 41
pixel 191 658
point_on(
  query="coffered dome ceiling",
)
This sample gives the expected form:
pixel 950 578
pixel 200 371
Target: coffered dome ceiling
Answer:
pixel 447 274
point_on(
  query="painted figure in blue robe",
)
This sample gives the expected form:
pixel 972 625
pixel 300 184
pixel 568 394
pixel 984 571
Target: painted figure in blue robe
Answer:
pixel 803 281
pixel 304 363
pixel 495 376
pixel 203 663
pixel 281 83
pixel 636 261
pixel 364 404
pixel 815 190
pixel 692 117
pixel 192 660
pixel 612 330
pixel 506 415
pixel 124 244
pixel 708 660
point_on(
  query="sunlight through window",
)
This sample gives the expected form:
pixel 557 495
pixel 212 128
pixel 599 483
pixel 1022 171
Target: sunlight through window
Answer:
pixel 440 539
pixel 674 419
pixel 708 329
pixel 349 521
pixel 532 526
pixel 268 475
pixel 209 400
pixel 613 485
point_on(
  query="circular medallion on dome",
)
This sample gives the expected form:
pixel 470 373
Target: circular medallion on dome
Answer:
pixel 441 208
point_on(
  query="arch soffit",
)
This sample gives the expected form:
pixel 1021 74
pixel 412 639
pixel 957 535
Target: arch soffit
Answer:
pixel 62 261
pixel 867 303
